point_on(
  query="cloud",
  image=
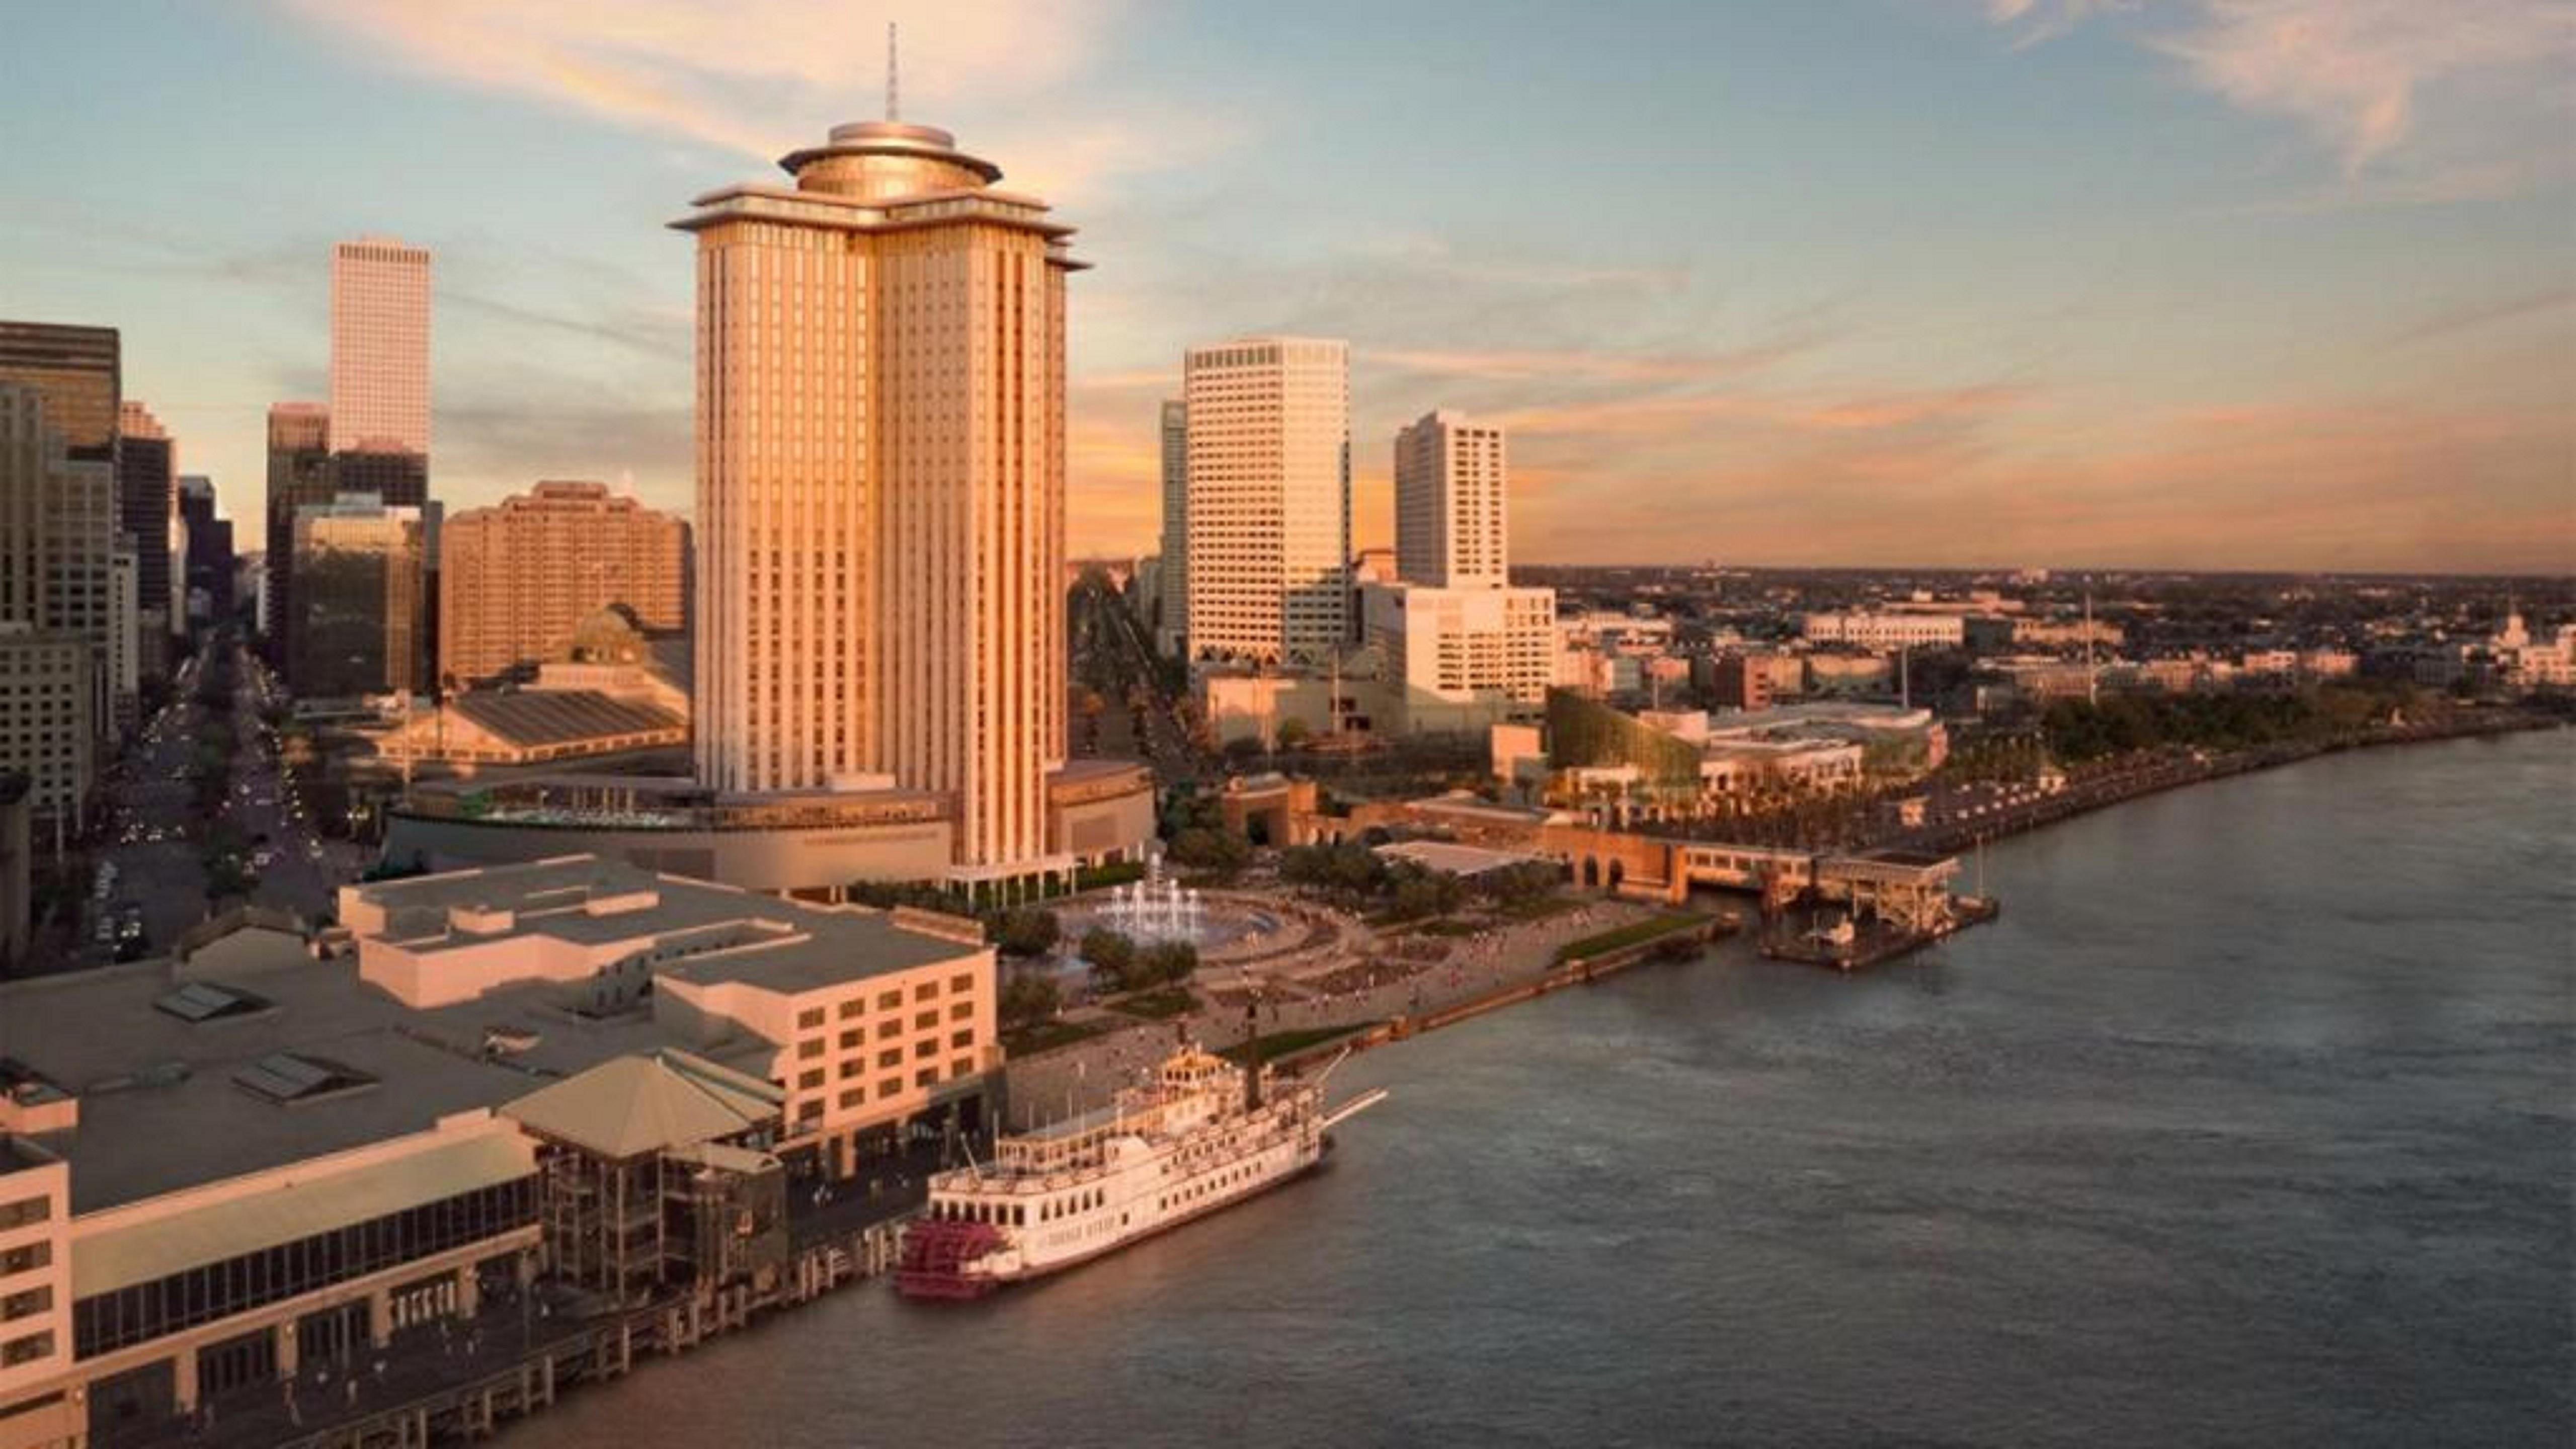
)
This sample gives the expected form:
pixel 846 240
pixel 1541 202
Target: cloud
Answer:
pixel 2367 78
pixel 2354 72
pixel 1570 365
pixel 759 77
pixel 2546 301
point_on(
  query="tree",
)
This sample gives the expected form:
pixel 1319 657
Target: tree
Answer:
pixel 1112 956
pixel 1028 931
pixel 1219 850
pixel 1416 892
pixel 1028 997
pixel 1166 963
pixel 1293 733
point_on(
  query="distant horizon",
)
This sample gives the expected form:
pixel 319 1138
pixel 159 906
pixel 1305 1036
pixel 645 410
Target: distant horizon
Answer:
pixel 2245 287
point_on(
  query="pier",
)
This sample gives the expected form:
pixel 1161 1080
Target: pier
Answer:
pixel 517 1357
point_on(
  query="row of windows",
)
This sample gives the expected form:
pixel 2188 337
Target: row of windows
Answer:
pixel 146 1311
pixel 888 1088
pixel 813 1016
pixel 24 1211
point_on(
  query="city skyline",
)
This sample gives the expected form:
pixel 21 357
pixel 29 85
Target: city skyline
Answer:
pixel 2195 286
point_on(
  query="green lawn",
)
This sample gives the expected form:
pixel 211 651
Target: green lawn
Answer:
pixel 1046 1036
pixel 1160 1005
pixel 1636 933
pixel 1287 1043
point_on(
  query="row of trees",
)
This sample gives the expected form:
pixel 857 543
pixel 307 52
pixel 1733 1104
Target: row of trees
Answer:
pixel 1119 963
pixel 2122 723
pixel 1401 890
pixel 1195 836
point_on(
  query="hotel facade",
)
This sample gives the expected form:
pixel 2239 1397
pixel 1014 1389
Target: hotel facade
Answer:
pixel 517 579
pixel 878 628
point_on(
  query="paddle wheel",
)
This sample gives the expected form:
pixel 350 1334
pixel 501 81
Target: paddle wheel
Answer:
pixel 936 1253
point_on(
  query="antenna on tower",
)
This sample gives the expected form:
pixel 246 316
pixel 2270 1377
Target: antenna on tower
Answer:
pixel 894 92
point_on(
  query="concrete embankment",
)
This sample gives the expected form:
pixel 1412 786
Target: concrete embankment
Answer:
pixel 2137 782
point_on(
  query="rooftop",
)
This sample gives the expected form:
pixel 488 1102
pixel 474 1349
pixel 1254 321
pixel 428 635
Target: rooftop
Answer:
pixel 730 935
pixel 162 1106
pixel 635 1105
pixel 533 719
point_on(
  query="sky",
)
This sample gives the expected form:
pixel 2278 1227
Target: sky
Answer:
pixel 2208 284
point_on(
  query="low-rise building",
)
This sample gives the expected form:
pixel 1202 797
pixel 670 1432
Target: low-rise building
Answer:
pixel 254 1167
pixel 1886 630
pixel 1461 658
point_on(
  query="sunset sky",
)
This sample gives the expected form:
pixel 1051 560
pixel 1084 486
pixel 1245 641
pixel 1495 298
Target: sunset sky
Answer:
pixel 2178 283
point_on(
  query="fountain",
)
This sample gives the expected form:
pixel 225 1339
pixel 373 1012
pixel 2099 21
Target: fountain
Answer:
pixel 1155 909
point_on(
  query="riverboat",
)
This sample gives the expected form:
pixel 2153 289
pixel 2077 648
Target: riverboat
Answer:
pixel 1204 1134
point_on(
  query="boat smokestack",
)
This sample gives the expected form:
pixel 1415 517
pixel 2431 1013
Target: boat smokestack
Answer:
pixel 1252 1055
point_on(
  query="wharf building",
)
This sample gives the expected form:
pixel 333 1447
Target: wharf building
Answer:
pixel 879 687
pixel 613 695
pixel 227 1176
pixel 1684 764
pixel 516 580
pixel 1267 531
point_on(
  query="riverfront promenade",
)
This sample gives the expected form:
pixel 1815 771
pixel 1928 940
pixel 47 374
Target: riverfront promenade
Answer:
pixel 1081 1075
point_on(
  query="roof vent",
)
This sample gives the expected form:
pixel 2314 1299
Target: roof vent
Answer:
pixel 203 1001
pixel 291 1079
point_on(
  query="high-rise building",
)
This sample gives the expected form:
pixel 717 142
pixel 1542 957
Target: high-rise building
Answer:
pixel 1464 647
pixel 360 570
pixel 130 634
pixel 57 600
pixel 299 474
pixel 48 724
pixel 379 347
pixel 147 511
pixel 78 372
pixel 1172 630
pixel 1450 510
pixel 515 581
pixel 209 553
pixel 1269 506
pixel 880 547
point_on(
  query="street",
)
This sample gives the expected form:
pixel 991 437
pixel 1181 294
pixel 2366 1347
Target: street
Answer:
pixel 1114 662
pixel 152 865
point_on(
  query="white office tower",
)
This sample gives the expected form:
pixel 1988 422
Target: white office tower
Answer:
pixel 1451 515
pixel 1269 541
pixel 379 347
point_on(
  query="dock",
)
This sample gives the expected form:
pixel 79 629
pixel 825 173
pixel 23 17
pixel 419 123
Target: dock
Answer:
pixel 516 1360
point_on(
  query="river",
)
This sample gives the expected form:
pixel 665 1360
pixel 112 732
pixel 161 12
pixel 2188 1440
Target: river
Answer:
pixel 2252 1121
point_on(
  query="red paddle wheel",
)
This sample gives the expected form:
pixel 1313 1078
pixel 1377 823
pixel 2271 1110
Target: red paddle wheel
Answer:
pixel 935 1255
